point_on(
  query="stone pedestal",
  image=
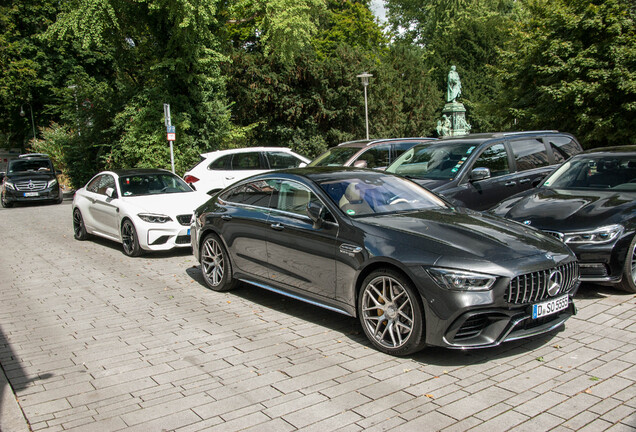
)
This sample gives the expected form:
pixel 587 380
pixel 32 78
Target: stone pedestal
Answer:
pixel 456 112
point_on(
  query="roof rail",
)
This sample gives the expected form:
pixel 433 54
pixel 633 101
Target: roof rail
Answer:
pixel 27 155
pixel 530 131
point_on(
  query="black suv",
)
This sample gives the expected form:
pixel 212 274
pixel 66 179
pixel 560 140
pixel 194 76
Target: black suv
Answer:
pixel 30 178
pixel 479 170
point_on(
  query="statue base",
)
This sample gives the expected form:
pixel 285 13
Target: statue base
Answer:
pixel 456 113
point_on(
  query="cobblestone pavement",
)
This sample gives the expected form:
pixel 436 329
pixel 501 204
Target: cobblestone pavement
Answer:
pixel 92 340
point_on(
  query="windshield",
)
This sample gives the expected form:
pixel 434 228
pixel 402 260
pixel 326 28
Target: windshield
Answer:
pixel 336 156
pixel 433 161
pixel 595 172
pixel 23 165
pixel 152 184
pixel 365 195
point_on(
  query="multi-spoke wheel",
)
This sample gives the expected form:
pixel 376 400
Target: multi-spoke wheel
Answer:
pixel 129 239
pixel 79 229
pixel 628 283
pixel 391 312
pixel 215 264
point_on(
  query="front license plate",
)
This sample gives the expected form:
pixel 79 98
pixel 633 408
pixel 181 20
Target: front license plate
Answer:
pixel 550 307
pixel 30 194
pixel 188 231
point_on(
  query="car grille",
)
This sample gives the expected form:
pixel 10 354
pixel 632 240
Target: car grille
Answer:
pixel 555 234
pixel 184 219
pixel 532 287
pixel 182 239
pixel 31 186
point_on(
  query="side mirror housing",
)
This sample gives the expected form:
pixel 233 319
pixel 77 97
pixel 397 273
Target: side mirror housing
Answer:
pixel 479 174
pixel 111 193
pixel 316 213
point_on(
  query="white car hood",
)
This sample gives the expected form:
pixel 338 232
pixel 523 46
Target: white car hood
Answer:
pixel 170 204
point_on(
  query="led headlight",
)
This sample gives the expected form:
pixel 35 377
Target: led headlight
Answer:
pixel 9 185
pixel 154 218
pixel 51 183
pixel 600 235
pixel 459 280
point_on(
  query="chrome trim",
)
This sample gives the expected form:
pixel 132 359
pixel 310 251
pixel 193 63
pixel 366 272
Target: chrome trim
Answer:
pixel 297 297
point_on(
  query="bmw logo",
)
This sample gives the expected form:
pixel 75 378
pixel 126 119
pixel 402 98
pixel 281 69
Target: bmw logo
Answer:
pixel 527 222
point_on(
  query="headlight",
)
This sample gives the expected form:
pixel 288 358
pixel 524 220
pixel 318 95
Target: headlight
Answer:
pixel 604 234
pixel 459 280
pixel 9 185
pixel 51 183
pixel 154 218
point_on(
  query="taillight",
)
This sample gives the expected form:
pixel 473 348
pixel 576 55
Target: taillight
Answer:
pixel 190 179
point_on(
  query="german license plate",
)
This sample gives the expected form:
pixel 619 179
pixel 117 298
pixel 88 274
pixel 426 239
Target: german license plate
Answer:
pixel 550 307
pixel 30 194
pixel 188 231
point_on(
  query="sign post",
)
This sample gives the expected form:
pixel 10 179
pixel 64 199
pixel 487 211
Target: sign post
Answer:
pixel 171 132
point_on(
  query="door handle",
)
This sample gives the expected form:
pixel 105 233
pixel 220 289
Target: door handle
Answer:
pixel 117 209
pixel 510 183
pixel 229 178
pixel 277 226
pixel 524 181
pixel 226 217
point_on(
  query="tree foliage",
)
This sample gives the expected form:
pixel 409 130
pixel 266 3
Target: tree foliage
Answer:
pixel 573 67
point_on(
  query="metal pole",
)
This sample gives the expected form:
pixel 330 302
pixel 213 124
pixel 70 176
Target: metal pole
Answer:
pixel 168 122
pixel 366 111
pixel 32 121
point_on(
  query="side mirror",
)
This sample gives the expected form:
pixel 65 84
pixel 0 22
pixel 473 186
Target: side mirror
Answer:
pixel 360 164
pixel 111 193
pixel 316 213
pixel 479 174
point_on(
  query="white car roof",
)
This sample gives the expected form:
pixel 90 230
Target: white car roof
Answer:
pixel 245 150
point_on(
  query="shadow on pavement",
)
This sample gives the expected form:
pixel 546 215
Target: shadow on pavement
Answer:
pixel 350 327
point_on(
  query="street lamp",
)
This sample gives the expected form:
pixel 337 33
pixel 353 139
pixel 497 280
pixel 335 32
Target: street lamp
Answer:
pixel 364 76
pixel 22 114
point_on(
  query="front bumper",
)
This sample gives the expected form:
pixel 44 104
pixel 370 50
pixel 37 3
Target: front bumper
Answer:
pixel 165 236
pixel 44 195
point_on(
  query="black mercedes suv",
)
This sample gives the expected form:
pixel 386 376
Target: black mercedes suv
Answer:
pixel 30 178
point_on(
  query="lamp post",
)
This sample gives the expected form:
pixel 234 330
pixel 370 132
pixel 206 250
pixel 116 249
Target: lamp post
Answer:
pixel 22 114
pixel 364 76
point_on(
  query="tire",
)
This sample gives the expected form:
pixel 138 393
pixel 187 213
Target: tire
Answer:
pixel 628 282
pixel 60 198
pixel 79 229
pixel 391 313
pixel 129 239
pixel 216 267
pixel 5 204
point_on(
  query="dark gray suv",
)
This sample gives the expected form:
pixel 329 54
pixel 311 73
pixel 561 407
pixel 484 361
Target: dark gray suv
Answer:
pixel 30 178
pixel 479 170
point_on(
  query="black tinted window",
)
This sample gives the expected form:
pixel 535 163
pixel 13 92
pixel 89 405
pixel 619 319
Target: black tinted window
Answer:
pixel 529 154
pixel 281 160
pixel 563 147
pixel 375 157
pixel 254 193
pixel 495 158
pixel 246 161
pixel 221 163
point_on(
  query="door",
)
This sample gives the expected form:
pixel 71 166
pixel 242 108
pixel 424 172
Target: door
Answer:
pixel 483 194
pixel 300 256
pixel 243 227
pixel 104 211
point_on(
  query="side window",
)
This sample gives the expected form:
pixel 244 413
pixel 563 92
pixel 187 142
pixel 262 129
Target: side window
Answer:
pixel 221 163
pixel 377 157
pixel 246 161
pixel 562 147
pixel 254 193
pixel 291 197
pixel 399 148
pixel 529 154
pixel 495 158
pixel 94 184
pixel 281 160
pixel 107 181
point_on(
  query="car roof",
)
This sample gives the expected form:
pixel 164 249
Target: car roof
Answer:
pixel 367 143
pixel 245 150
pixel 493 135
pixel 628 149
pixel 139 171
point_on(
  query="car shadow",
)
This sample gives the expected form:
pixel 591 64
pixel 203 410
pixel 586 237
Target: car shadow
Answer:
pixel 350 328
pixel 591 291
pixel 152 255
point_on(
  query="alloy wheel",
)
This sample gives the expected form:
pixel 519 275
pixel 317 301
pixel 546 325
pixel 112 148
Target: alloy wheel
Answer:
pixel 387 312
pixel 128 238
pixel 212 261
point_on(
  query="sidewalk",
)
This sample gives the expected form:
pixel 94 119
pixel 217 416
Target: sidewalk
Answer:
pixel 11 416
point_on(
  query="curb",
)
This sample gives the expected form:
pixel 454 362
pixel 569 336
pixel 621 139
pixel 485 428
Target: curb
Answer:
pixel 11 415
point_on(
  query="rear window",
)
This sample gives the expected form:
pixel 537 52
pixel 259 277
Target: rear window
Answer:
pixel 563 147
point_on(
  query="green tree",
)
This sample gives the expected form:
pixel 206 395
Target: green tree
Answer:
pixel 573 68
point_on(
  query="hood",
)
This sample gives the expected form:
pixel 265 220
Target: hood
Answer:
pixel 171 204
pixel 572 210
pixel 468 235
